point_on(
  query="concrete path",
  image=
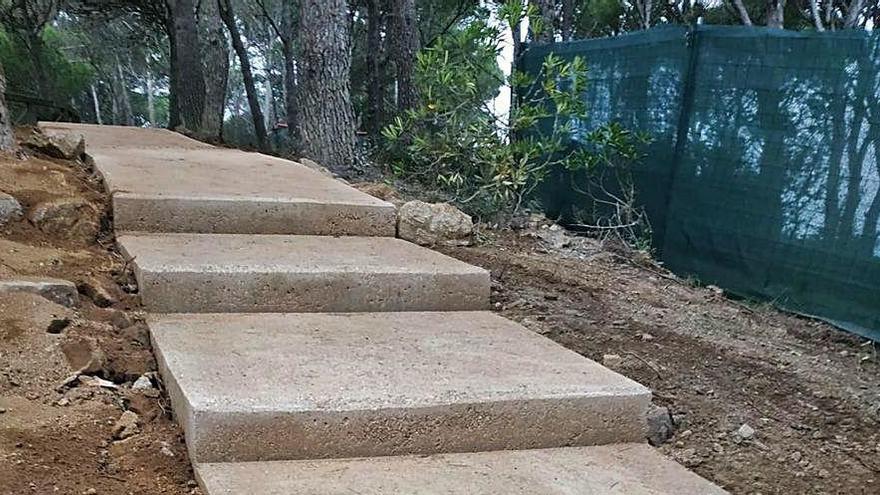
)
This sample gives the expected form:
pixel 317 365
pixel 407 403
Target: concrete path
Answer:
pixel 307 363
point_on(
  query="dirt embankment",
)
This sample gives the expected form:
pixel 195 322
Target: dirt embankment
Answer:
pixel 67 373
pixel 810 393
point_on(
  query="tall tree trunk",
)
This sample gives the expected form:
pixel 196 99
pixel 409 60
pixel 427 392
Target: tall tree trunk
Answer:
pixel 151 99
pixel 7 138
pixel 97 105
pixel 124 104
pixel 852 14
pixel 186 64
pixel 743 13
pixel 776 14
pixel 326 121
pixel 247 74
pixel 374 115
pixel 567 27
pixel 215 63
pixel 287 28
pixel 405 46
pixel 547 9
pixel 816 15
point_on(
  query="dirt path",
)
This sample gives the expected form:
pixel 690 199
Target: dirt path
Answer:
pixel 811 392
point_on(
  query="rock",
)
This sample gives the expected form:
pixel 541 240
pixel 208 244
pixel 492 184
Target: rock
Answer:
pixel 10 209
pixel 166 449
pixel 66 146
pixel 90 491
pixel 660 427
pixel 745 432
pixel 121 320
pixel 431 224
pixel 612 360
pixel 142 383
pixel 68 217
pixel 83 354
pixel 555 238
pixel 138 332
pixel 56 290
pixel 94 381
pixel 316 167
pixel 379 190
pixel 126 426
pixel 58 325
pixel 101 292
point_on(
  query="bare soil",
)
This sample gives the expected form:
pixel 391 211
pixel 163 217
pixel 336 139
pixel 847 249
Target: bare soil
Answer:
pixel 57 437
pixel 810 391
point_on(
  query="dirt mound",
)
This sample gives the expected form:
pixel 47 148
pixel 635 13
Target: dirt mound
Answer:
pixel 67 374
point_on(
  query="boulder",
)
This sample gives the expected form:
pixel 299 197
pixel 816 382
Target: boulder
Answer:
pixel 660 426
pixel 84 355
pixel 68 216
pixel 126 425
pixel 56 290
pixel 430 224
pixel 10 209
pixel 66 146
pixel 102 291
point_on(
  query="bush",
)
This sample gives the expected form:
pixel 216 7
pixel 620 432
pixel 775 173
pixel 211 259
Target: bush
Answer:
pixel 491 165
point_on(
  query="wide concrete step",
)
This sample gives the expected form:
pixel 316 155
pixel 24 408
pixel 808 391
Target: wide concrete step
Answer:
pixel 202 273
pixel 161 181
pixel 252 387
pixel 632 469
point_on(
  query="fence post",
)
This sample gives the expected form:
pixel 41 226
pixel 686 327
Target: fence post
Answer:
pixel 692 43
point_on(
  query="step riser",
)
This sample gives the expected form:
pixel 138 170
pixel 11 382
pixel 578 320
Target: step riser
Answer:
pixel 459 428
pixel 169 292
pixel 132 213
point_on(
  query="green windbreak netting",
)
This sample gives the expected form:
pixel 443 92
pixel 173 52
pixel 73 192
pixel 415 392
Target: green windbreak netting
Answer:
pixel 763 174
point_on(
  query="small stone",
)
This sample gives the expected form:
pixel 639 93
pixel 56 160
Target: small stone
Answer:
pixel 99 291
pixel 2 410
pixel 796 456
pixel 58 325
pixel 430 224
pixel 315 166
pixel 126 426
pixel 165 449
pixel 660 428
pixel 612 360
pixel 142 383
pixel 64 401
pixel 56 290
pixel 90 491
pixel 379 190
pixel 138 332
pixel 10 209
pixel 745 432
pixel 83 354
pixel 646 337
pixel 823 473
pixel 69 217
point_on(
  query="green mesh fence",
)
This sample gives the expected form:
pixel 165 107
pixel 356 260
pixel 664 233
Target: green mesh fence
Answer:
pixel 763 174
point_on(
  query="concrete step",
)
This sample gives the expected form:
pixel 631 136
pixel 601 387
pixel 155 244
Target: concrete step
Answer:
pixel 161 181
pixel 203 273
pixel 632 469
pixel 253 387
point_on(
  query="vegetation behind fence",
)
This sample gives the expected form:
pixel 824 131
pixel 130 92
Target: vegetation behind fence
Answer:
pixel 763 175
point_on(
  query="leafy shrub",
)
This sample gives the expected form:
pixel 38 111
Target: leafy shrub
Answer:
pixel 491 165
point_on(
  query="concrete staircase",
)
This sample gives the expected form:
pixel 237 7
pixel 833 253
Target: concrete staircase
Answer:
pixel 300 363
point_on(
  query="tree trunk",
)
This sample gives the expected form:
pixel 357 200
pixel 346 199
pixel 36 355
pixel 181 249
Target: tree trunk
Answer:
pixel 215 63
pixel 189 96
pixel 567 27
pixel 373 118
pixel 97 105
pixel 124 104
pixel 743 13
pixel 151 100
pixel 287 27
pixel 247 74
pixel 852 14
pixel 405 47
pixel 325 129
pixel 817 17
pixel 7 138
pixel 547 9
pixel 776 14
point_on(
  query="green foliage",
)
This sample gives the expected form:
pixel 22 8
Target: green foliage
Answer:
pixel 453 142
pixel 42 66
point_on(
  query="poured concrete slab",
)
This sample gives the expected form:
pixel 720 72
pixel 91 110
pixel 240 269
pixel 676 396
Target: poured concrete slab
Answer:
pixel 161 181
pixel 250 387
pixel 204 273
pixel 625 469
